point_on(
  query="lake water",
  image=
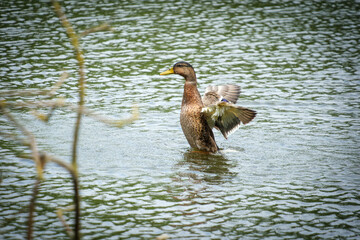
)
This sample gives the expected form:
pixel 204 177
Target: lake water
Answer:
pixel 292 173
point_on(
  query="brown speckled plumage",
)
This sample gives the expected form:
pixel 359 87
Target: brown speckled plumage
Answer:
pixel 193 121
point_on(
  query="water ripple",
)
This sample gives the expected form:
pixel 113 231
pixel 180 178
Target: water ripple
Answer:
pixel 292 173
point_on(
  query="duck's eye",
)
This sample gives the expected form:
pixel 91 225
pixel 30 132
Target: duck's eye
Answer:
pixel 182 65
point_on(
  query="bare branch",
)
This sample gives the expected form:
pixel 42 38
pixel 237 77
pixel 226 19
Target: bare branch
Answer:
pixel 33 92
pixel 102 27
pixel 60 215
pixel 59 102
pixel 58 84
pixel 30 138
pixel 45 158
pixel 74 39
pixel 32 209
pixel 113 122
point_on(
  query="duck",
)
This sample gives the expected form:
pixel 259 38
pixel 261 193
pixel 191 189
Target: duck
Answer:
pixel 215 109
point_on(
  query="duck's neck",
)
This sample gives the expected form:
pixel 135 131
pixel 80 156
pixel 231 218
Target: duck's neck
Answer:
pixel 191 94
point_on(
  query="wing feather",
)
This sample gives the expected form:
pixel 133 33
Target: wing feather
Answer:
pixel 227 117
pixel 229 92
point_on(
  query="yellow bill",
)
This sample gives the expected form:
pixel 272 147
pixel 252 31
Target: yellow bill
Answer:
pixel 170 71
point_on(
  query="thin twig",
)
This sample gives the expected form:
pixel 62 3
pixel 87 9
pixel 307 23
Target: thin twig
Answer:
pixel 30 138
pixel 74 39
pixel 74 177
pixel 35 92
pixel 39 162
pixel 32 205
pixel 32 209
pixel 102 27
pixel 113 122
pixel 60 102
pixel 45 158
pixel 60 215
pixel 44 117
pixel 58 84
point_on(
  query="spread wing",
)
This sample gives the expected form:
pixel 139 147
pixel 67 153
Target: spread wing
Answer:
pixel 227 117
pixel 220 111
pixel 229 92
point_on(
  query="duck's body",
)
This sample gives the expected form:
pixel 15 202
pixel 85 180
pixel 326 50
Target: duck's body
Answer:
pixel 193 121
pixel 216 109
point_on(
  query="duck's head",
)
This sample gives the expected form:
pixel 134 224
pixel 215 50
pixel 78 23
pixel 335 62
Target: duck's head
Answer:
pixel 182 68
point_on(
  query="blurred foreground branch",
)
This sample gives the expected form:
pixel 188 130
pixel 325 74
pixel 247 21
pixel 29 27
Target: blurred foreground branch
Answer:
pixel 102 27
pixel 41 158
pixel 60 215
pixel 31 92
pixel 30 139
pixel 61 103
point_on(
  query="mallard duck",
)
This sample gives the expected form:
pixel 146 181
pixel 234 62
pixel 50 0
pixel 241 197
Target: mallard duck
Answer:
pixel 216 109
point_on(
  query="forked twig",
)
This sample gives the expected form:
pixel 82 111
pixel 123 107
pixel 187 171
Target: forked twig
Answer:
pixel 45 158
